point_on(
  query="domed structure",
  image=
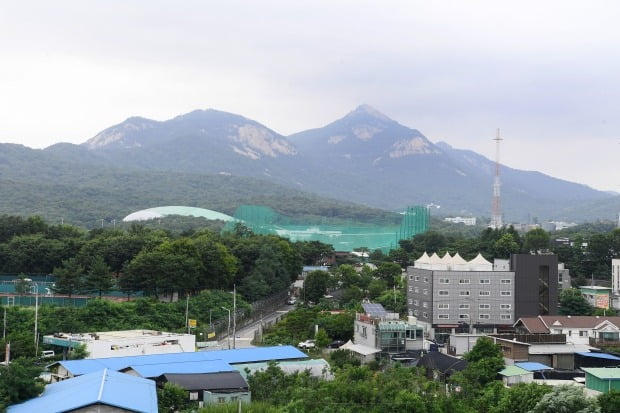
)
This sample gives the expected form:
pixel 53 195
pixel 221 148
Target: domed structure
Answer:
pixel 163 211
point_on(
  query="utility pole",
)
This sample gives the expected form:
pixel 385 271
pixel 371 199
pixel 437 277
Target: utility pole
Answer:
pixel 4 329
pixel 36 319
pixel 228 329
pixel 234 315
pixel 187 312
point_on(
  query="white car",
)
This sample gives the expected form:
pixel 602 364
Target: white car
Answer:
pixel 307 344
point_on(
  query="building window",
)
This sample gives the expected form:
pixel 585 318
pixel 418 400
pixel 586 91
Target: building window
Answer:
pixel 234 398
pixel 484 306
pixel 464 316
pixel 443 306
pixel 221 399
pixel 425 279
pixel 410 301
pixel 415 302
pixel 417 278
pixel 415 313
pixel 443 292
pixel 464 293
pixel 444 281
pixel 506 281
pixel 484 293
pixel 485 281
pixel 583 333
pixel 505 293
pixel 417 289
pixel 463 306
pixel 364 332
pixel 484 316
pixel 410 288
pixel 193 395
pixel 505 316
pixel 464 281
pixel 424 304
pixel 505 306
pixel 411 278
pixel 425 291
pixel 425 314
pixel 443 316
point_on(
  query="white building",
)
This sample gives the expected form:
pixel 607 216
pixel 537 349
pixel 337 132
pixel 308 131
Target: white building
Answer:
pixel 125 343
pixel 615 282
pixel 461 220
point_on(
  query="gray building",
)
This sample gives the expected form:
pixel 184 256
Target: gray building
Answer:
pixel 536 288
pixel 459 296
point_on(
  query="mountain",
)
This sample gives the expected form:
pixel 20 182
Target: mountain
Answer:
pixel 363 158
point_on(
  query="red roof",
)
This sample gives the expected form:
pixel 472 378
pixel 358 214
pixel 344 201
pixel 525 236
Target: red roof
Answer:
pixel 543 323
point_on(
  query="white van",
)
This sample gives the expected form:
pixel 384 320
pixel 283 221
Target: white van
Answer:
pixel 47 354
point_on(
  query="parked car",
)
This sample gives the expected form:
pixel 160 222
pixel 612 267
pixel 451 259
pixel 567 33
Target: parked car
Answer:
pixel 335 344
pixel 307 344
pixel 291 301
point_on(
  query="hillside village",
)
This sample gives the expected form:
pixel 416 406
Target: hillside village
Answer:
pixel 439 315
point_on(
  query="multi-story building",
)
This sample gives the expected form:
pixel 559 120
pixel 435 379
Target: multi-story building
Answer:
pixel 380 330
pixel 451 295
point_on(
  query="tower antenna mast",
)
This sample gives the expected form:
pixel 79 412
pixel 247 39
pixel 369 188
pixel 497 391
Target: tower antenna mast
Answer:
pixel 496 215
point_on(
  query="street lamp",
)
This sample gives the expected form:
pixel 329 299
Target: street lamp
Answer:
pixel 36 318
pixel 228 329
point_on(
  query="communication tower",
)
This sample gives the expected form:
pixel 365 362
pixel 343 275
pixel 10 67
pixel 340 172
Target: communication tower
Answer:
pixel 496 214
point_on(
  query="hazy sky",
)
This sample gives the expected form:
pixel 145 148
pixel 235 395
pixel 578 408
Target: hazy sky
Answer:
pixel 546 72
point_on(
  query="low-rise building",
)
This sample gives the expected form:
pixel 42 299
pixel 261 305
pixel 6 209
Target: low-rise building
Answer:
pixel 591 330
pixel 125 343
pixel 602 379
pixel 597 297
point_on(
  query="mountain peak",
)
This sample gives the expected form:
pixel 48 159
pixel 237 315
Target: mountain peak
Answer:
pixel 367 110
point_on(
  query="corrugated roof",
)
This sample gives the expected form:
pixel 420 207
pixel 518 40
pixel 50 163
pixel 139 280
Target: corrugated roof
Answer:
pixel 533 366
pixel 558 348
pixel 101 387
pixel 200 367
pixel 244 355
pixel 230 380
pixel 598 355
pixel 607 373
pixel 514 371
pixel 316 367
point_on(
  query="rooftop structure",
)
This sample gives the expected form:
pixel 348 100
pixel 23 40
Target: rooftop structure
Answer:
pixel 125 343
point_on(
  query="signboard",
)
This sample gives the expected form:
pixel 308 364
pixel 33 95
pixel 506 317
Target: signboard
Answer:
pixel 211 334
pixel 192 323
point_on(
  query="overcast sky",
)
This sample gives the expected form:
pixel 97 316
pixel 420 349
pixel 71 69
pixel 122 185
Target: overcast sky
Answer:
pixel 546 72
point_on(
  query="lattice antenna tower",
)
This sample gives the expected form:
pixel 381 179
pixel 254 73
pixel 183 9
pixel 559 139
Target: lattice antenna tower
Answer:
pixel 496 214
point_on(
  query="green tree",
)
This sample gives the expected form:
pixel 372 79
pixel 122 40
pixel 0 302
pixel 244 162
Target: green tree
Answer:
pixel 315 285
pixel 566 398
pixel 322 339
pixel 390 272
pixel 572 302
pixel 521 398
pixel 19 382
pixel 484 361
pixel 171 398
pixel 68 277
pixel 23 284
pixel 99 277
pixel 536 239
pixel 609 402
pixel 505 246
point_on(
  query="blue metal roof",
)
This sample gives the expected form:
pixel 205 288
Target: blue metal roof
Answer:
pixel 242 355
pixel 598 355
pixel 533 366
pixel 101 387
pixel 156 370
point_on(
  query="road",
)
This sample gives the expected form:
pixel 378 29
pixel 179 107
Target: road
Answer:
pixel 245 335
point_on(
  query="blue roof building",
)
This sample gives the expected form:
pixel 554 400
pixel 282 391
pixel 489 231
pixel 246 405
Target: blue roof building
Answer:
pixel 71 368
pixel 105 387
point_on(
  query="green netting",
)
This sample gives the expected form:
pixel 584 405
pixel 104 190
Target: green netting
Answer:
pixel 264 220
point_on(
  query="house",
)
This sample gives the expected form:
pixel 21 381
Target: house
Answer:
pixel 590 330
pixel 210 388
pixel 379 330
pixel 440 367
pixel 125 343
pixel 100 391
pixel 459 344
pixel 602 379
pixel 318 368
pixel 597 297
pixel 512 375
